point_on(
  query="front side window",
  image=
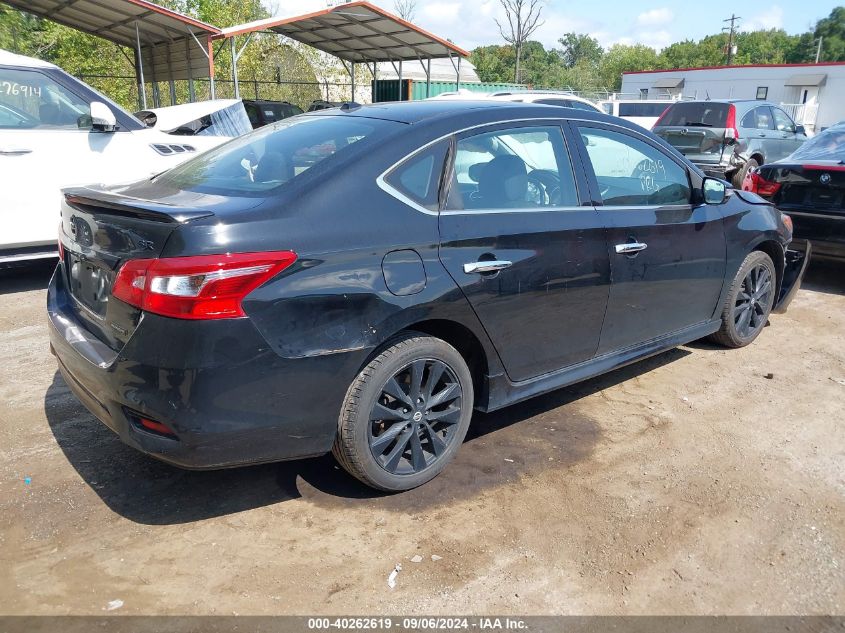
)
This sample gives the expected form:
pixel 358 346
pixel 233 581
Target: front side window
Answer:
pixel 31 100
pixel 520 168
pixel 273 155
pixel 418 177
pixel 631 172
pixel 782 121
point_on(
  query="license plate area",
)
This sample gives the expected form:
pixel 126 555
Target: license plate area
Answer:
pixel 90 284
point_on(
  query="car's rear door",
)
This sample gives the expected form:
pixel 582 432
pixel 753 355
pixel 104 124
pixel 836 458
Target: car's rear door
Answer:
pixel 667 253
pixel 527 253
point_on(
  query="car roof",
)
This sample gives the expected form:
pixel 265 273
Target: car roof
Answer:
pixel 732 101
pixel 7 58
pixel 412 112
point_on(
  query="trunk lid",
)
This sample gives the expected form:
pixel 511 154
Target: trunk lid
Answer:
pixel 696 129
pixel 817 187
pixel 101 230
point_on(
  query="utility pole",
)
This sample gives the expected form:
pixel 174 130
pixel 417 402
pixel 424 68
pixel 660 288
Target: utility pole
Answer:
pixel 819 49
pixel 731 48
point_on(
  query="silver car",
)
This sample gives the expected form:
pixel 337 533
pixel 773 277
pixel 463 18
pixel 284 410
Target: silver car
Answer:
pixel 727 139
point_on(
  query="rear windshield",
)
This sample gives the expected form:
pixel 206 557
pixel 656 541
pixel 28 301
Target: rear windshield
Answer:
pixel 642 109
pixel 828 145
pixel 271 156
pixel 697 114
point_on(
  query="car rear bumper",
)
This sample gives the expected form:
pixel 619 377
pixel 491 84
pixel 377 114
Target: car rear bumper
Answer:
pixel 793 274
pixel 229 399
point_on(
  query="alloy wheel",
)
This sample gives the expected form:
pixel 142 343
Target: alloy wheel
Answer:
pixel 413 421
pixel 753 301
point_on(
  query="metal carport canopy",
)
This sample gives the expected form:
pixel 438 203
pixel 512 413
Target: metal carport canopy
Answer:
pixel 172 45
pixel 358 32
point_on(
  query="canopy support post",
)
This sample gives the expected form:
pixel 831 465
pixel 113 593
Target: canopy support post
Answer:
pixel 401 95
pixel 142 89
pixel 234 67
pixel 352 75
pixel 459 74
pixel 210 56
pixel 428 79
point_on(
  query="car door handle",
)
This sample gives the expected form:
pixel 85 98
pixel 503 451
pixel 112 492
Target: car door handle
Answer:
pixel 17 151
pixel 630 247
pixel 488 266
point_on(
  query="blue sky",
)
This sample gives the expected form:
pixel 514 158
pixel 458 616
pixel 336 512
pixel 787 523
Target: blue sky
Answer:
pixel 470 23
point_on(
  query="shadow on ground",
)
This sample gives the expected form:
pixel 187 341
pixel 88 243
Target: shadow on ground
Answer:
pixel 824 275
pixel 524 439
pixel 26 277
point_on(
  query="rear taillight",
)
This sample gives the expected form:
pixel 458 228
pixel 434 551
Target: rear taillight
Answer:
pixel 755 183
pixel 201 287
pixel 731 131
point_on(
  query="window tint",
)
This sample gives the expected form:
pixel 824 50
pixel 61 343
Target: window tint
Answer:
pixel 419 176
pixel 631 172
pixel 642 109
pixel 566 103
pixel 782 121
pixel 697 114
pixel 520 168
pixel 31 100
pixel 758 119
pixel 578 105
pixel 273 155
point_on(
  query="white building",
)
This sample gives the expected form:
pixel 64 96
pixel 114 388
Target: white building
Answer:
pixel 814 94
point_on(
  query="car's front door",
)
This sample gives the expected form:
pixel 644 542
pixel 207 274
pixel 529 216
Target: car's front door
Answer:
pixel 667 253
pixel 46 143
pixel 787 134
pixel 528 256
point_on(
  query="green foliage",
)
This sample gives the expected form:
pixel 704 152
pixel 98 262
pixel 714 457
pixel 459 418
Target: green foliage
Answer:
pixel 832 31
pixel 579 49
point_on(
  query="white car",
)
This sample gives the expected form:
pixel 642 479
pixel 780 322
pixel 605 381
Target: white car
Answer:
pixel 643 112
pixel 57 132
pixel 218 117
pixel 547 97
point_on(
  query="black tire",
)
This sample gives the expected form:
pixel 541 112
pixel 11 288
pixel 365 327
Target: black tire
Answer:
pixel 747 307
pixel 367 446
pixel 739 176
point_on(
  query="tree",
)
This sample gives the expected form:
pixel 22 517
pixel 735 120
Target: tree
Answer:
pixel 523 19
pixel 577 48
pixel 832 31
pixel 620 58
pixel 407 9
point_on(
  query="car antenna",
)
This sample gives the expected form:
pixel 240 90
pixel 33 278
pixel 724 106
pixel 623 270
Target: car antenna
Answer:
pixel 350 106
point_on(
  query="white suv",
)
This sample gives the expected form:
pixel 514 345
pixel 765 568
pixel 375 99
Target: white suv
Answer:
pixel 56 132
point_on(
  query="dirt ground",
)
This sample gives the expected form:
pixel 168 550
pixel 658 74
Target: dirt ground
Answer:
pixel 701 481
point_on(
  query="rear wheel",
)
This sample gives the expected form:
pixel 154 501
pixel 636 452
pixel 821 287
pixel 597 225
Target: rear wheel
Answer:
pixel 405 414
pixel 749 301
pixel 739 176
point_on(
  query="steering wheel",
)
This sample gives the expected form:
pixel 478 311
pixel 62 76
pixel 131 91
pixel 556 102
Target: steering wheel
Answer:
pixel 546 187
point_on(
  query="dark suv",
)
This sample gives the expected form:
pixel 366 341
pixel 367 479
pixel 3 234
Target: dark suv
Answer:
pixel 727 139
pixel 263 113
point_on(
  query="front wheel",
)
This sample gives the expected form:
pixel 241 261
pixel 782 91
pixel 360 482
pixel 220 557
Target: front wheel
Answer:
pixel 405 414
pixel 749 301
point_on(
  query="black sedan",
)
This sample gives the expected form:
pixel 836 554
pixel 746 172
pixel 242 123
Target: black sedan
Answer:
pixel 810 185
pixel 361 279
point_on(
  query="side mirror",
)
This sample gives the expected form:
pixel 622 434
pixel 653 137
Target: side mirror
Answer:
pixel 714 191
pixel 102 118
pixel 799 129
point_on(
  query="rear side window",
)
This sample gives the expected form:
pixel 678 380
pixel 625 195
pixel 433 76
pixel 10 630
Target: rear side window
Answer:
pixel 32 100
pixel 758 119
pixel 631 172
pixel 697 114
pixel 642 109
pixel 519 168
pixel 274 155
pixel 418 177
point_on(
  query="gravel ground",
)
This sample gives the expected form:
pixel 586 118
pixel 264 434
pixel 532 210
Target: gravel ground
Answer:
pixel 701 481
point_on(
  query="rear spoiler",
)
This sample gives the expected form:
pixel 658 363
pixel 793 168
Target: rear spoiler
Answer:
pixel 95 200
